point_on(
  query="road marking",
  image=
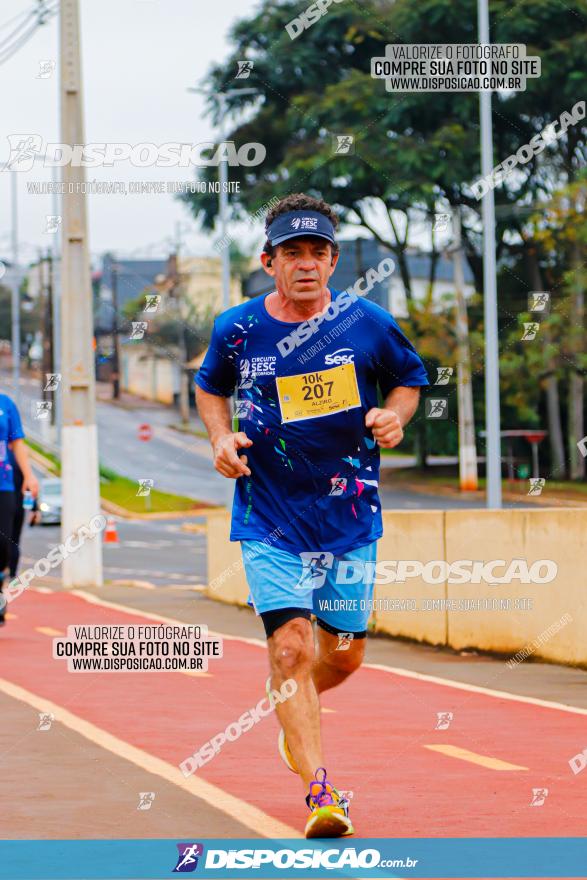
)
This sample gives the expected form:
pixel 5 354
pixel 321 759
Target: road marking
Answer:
pixel 195 673
pixel 477 689
pixel 41 589
pixel 395 670
pixel 10 616
pixel 474 758
pixel 246 814
pixel 328 711
pixel 49 631
pixel 143 585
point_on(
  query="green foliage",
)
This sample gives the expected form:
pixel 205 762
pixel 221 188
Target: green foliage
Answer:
pixel 418 153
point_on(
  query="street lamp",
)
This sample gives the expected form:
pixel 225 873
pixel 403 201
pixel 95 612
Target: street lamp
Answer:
pixel 221 98
pixel 492 415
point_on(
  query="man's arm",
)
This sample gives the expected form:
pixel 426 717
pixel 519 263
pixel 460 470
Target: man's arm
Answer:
pixel 215 413
pixel 29 481
pixel 388 422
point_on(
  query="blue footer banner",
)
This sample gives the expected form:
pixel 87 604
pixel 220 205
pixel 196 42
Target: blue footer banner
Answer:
pixel 226 858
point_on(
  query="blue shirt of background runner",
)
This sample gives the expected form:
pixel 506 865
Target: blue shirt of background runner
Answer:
pixel 313 482
pixel 10 429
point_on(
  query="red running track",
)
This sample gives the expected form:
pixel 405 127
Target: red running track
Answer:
pixel 373 740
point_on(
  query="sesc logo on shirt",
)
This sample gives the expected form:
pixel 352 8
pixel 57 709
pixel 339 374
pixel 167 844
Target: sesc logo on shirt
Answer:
pixel 342 356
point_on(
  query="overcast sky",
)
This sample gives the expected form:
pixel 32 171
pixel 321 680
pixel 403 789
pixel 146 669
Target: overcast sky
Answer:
pixel 138 59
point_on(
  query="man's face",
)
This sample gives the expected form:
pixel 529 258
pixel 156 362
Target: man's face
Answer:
pixel 301 267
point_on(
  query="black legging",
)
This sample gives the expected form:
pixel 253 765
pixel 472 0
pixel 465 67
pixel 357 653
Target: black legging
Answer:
pixel 17 522
pixel 7 510
pixel 18 519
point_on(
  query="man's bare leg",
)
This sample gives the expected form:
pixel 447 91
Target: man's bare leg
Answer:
pixel 332 666
pixel 291 655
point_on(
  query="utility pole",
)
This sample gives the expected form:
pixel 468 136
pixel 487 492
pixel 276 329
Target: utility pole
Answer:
pixel 46 425
pixel 56 297
pixel 177 294
pixel 45 282
pixel 51 329
pixel 115 334
pixel 223 208
pixel 79 440
pixel 492 414
pixel 467 449
pixel 15 302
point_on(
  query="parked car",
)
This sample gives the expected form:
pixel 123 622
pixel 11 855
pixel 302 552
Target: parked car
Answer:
pixel 49 501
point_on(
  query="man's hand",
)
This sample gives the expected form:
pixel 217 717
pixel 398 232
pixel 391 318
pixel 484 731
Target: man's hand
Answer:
pixel 31 484
pixel 226 460
pixel 386 427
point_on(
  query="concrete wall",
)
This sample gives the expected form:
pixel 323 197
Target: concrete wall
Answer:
pixel 520 615
pixel 149 377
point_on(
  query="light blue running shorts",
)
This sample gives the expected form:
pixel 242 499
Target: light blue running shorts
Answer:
pixel 337 589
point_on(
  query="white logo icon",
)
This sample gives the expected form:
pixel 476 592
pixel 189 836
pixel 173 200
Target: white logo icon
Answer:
pixel 539 795
pixel 316 564
pixel 145 487
pixel 139 329
pixel 244 69
pixel 344 144
pixel 444 374
pixel 530 331
pixel 52 381
pixel 440 222
pixel 152 301
pixel 536 485
pixel 344 641
pixel 246 374
pixel 443 720
pixel 146 799
pixel 243 408
pixel 43 409
pixel 45 720
pixel 539 301
pixel 46 68
pixel 53 222
pixel 23 150
pixel 338 485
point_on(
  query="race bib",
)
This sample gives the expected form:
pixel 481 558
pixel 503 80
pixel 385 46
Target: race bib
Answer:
pixel 313 395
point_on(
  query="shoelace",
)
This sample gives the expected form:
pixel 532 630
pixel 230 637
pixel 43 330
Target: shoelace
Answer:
pixel 323 797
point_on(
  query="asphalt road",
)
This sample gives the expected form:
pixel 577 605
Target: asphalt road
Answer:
pixel 152 551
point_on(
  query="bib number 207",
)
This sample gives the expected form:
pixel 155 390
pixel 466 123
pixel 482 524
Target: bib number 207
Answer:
pixel 313 387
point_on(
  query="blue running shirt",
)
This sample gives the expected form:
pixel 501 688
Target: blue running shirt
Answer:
pixel 302 392
pixel 10 429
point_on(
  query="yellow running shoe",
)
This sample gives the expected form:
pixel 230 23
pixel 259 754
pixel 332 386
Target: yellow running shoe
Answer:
pixel 286 755
pixel 329 816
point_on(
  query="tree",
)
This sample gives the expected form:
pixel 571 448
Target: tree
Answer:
pixel 414 153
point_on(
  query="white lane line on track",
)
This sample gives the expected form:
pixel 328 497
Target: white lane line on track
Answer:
pixel 240 811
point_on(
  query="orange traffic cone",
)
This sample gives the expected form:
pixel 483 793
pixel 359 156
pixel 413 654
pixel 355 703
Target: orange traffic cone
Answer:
pixel 111 533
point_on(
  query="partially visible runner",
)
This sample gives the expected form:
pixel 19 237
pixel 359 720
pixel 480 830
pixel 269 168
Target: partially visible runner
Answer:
pixel 11 442
pixel 19 513
pixel 307 362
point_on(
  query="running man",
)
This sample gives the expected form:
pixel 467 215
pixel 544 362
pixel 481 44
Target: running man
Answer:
pixel 305 362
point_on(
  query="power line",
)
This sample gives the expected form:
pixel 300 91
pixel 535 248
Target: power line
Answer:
pixel 35 13
pixel 35 18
